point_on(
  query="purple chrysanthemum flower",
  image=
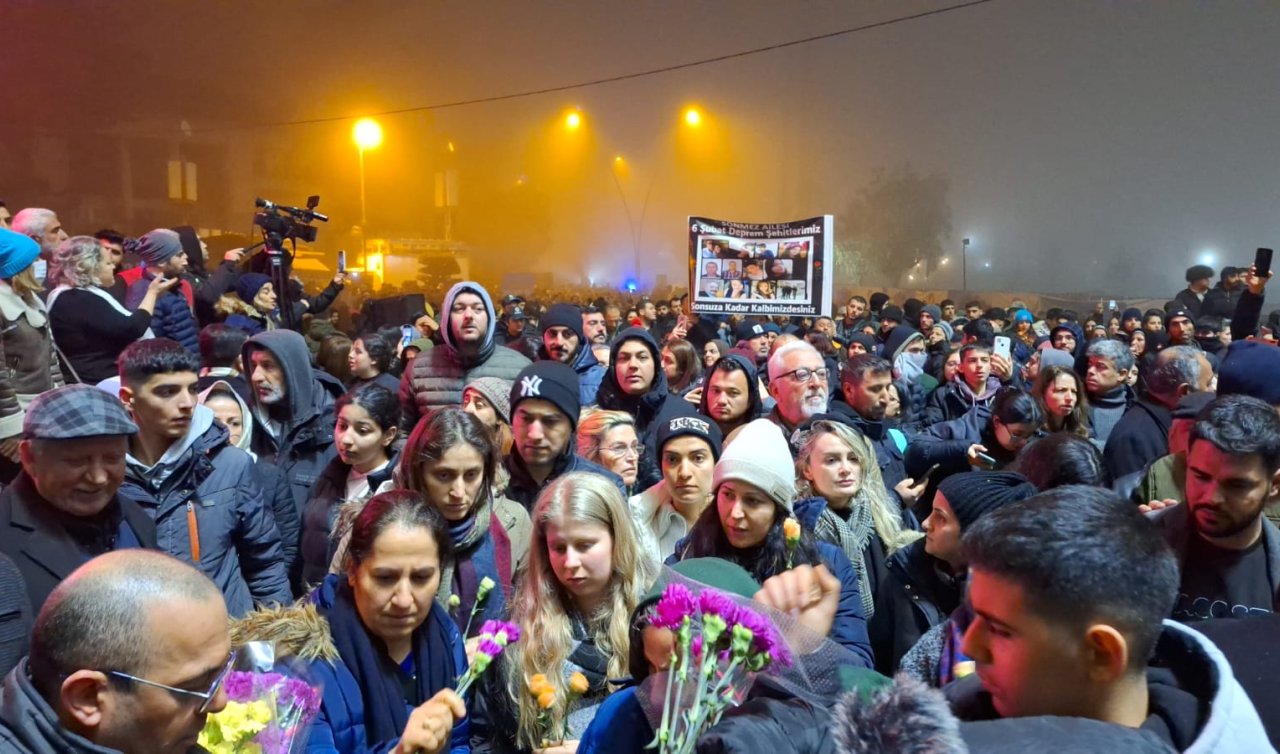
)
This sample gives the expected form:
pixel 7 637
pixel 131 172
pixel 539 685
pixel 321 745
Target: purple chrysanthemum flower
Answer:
pixel 239 686
pixel 489 647
pixel 715 603
pixel 493 628
pixel 677 602
pixel 695 648
pixel 765 638
pixel 299 694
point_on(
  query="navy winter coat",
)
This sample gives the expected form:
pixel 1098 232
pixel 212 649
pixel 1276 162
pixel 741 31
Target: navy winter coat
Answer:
pixel 235 536
pixel 339 728
pixel 172 317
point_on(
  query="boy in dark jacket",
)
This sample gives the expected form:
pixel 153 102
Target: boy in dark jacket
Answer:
pixel 201 490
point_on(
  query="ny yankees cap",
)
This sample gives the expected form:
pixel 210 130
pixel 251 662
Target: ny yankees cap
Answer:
pixel 549 381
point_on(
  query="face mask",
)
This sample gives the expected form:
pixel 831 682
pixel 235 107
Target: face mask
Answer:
pixel 41 270
pixel 910 366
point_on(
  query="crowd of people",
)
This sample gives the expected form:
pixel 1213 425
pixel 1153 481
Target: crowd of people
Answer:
pixel 1010 527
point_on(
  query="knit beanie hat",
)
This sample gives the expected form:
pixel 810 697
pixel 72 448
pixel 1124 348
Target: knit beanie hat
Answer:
pixel 932 310
pixel 973 494
pixel 1251 368
pixel 158 246
pixel 1176 313
pixel 249 284
pixel 696 426
pixel 1022 315
pixel 1131 313
pixel 891 312
pixel 1052 357
pixel 759 456
pixel 495 390
pixel 563 315
pixel 550 381
pixel 946 329
pixel 911 309
pixel 17 252
pixel 868 342
pixel 878 300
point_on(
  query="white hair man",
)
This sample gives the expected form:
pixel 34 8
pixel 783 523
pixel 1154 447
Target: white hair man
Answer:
pixel 798 381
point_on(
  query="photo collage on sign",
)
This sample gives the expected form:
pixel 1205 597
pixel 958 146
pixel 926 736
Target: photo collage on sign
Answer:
pixel 773 270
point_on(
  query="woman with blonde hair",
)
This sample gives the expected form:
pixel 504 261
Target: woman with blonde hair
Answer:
pixel 609 438
pixel 842 499
pixel 90 327
pixel 586 573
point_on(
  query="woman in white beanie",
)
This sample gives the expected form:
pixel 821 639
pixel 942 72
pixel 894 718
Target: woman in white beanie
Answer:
pixel 754 485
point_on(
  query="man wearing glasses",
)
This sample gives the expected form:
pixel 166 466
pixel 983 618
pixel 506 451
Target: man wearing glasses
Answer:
pixel 111 669
pixel 798 382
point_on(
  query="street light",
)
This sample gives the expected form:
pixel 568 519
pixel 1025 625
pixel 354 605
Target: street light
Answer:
pixel 692 117
pixel 964 264
pixel 367 134
pixel 573 120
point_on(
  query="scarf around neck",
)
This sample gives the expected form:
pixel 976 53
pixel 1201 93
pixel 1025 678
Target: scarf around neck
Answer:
pixel 852 537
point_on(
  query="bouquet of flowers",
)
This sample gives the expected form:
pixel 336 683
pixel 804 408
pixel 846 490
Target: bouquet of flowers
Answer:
pixel 718 645
pixel 495 635
pixel 544 693
pixel 270 702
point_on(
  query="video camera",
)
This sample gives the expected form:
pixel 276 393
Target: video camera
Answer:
pixel 280 222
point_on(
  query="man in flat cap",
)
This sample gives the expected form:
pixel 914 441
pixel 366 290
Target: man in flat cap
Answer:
pixel 63 510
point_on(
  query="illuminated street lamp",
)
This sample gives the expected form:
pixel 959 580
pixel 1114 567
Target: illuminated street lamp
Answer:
pixel 367 134
pixel 573 120
pixel 692 117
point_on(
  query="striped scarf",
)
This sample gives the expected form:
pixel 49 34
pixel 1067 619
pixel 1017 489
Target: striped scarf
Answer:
pixel 852 536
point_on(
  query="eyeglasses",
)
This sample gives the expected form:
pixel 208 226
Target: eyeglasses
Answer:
pixel 804 374
pixel 622 449
pixel 1018 436
pixel 206 696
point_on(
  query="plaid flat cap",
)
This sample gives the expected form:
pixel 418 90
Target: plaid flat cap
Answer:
pixel 74 412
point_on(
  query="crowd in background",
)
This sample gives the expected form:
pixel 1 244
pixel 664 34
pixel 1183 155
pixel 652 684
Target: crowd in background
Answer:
pixel 1043 525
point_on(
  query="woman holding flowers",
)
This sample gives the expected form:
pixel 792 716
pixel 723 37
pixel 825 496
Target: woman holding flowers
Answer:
pixel 586 573
pixel 450 460
pixel 751 524
pixel 390 690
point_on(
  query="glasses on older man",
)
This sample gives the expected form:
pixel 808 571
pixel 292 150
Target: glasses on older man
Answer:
pixel 205 697
pixel 804 374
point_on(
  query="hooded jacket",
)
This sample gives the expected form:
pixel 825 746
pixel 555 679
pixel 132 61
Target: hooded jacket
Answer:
pixel 172 317
pixel 274 485
pixel 305 441
pixel 955 399
pixel 28 725
pixel 438 375
pixel 590 372
pixel 1196 704
pixel 755 405
pixel 650 410
pixel 916 597
pixel 209 511
pixel 1196 707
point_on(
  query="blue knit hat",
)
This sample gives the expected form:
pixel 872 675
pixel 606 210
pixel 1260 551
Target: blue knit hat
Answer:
pixel 1250 368
pixel 249 284
pixel 17 252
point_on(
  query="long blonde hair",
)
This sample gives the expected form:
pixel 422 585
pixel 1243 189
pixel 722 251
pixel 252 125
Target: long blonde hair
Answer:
pixel 872 493
pixel 544 610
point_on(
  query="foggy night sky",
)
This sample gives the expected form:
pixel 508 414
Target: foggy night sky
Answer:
pixel 1072 132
